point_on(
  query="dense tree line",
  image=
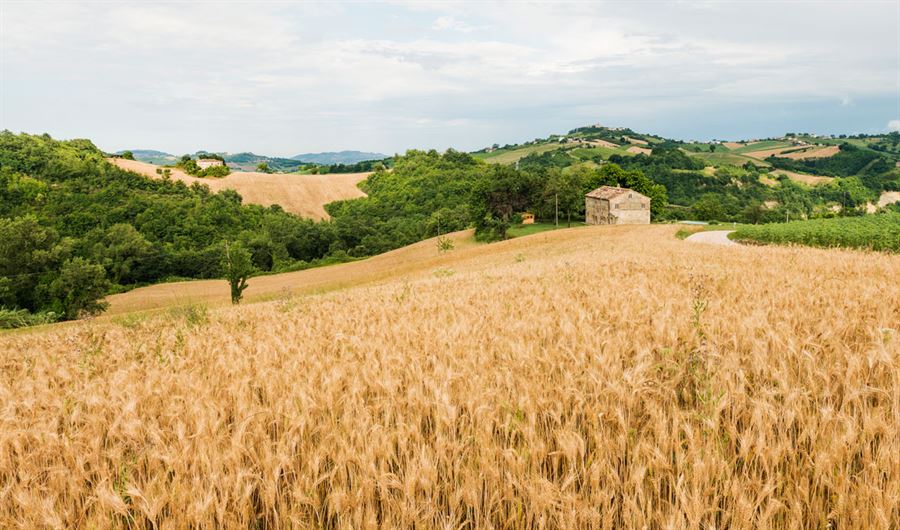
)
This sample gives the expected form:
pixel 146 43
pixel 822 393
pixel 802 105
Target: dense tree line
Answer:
pixel 358 167
pixel 73 227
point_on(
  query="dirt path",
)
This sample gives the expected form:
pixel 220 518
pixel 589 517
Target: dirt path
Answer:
pixel 713 237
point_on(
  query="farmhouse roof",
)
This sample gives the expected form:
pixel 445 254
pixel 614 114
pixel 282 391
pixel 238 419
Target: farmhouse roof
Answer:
pixel 609 192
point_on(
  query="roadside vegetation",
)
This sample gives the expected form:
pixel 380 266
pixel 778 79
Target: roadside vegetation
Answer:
pixel 873 232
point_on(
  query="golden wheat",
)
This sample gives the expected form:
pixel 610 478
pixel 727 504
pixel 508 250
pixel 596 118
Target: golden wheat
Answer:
pixel 591 378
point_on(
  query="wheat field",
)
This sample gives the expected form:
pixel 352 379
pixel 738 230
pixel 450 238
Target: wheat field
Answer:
pixel 604 377
pixel 304 195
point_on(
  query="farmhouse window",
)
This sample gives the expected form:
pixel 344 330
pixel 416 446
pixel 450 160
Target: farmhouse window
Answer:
pixel 617 206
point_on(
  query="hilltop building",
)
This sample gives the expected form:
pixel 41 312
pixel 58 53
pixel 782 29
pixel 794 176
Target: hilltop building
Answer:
pixel 204 163
pixel 607 205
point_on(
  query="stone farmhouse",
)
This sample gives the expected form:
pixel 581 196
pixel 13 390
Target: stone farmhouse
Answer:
pixel 607 205
pixel 204 163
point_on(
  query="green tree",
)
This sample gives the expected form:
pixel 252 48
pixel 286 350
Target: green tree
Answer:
pixel 566 189
pixel 613 175
pixel 29 255
pixel 263 167
pixel 709 208
pixel 237 265
pixel 79 288
pixel 122 250
pixel 128 155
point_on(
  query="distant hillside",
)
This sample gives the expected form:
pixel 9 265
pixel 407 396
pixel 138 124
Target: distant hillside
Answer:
pixel 754 180
pixel 151 156
pixel 342 157
pixel 249 162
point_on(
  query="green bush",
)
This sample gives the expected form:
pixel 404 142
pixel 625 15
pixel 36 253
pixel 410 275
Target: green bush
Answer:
pixel 20 318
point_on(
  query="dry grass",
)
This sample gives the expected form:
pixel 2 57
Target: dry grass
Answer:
pixel 639 150
pixel 604 377
pixel 796 153
pixel 886 198
pixel 603 143
pixel 826 151
pixel 809 180
pixel 304 195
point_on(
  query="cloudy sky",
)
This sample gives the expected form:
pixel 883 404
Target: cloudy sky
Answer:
pixel 281 78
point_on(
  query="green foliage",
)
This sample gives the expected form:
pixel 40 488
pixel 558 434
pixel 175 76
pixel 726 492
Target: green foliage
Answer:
pixel 237 267
pixel 444 244
pixel 61 200
pixel 502 192
pixel 875 170
pixel 79 288
pixel 427 193
pixel 263 167
pixel 189 166
pixel 875 232
pixel 127 155
pixel 20 318
pixel 214 171
pixel 709 208
pixel 358 167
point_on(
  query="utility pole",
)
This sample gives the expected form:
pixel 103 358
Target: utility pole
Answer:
pixel 556 198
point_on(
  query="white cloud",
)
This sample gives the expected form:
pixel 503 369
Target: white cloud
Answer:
pixel 452 24
pixel 284 77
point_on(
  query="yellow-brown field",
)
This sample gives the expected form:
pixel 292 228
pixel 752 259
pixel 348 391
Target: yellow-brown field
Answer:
pixel 810 180
pixel 600 377
pixel 304 195
pixel 796 153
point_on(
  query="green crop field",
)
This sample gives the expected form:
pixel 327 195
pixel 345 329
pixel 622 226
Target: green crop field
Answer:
pixel 875 232
pixel 760 146
pixel 606 152
pixel 729 158
pixel 503 156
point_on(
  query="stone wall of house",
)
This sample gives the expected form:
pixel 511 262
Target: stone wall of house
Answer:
pixel 630 211
pixel 631 217
pixel 596 211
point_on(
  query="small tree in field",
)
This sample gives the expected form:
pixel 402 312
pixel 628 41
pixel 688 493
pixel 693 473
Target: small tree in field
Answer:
pixel 237 267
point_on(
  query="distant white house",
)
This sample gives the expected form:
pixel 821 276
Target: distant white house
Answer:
pixel 204 163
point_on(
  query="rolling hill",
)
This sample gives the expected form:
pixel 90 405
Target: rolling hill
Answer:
pixel 339 157
pixel 247 161
pixel 151 156
pixel 304 195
